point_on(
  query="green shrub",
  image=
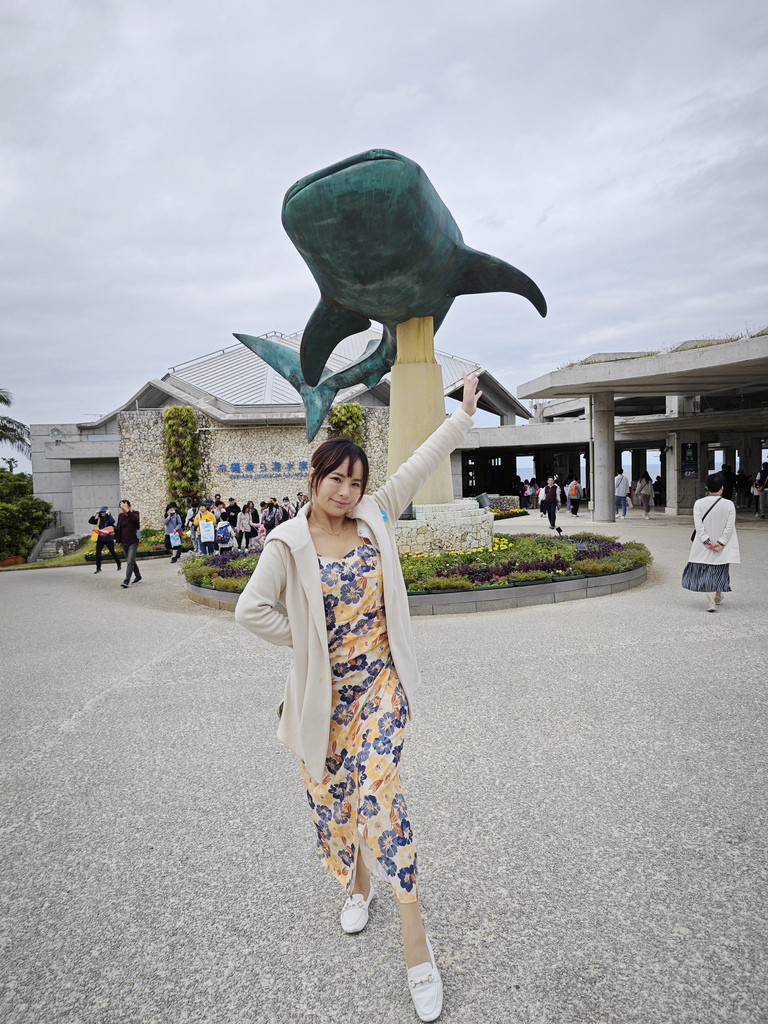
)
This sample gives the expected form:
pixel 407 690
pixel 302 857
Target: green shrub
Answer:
pixel 20 524
pixel 346 420
pixel 593 566
pixel 14 486
pixel 234 584
pixel 447 583
pixel 527 577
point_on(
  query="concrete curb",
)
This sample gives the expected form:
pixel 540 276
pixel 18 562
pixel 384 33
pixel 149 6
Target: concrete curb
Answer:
pixel 502 599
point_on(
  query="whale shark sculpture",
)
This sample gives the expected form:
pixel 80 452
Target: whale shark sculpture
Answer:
pixel 382 246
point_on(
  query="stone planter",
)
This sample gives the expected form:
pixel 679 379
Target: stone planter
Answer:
pixel 487 599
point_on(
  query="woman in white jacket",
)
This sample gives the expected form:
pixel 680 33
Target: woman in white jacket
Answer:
pixel 715 544
pixel 335 569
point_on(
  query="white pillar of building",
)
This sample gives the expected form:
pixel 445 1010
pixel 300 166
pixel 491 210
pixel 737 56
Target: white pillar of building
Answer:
pixel 604 435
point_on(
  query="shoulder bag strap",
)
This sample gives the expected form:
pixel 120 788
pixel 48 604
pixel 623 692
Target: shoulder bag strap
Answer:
pixel 710 508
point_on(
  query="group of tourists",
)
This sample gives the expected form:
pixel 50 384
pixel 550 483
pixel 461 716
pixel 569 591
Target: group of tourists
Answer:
pixel 216 526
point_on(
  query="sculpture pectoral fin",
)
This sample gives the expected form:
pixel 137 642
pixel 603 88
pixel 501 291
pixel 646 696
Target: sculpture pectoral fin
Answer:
pixel 477 272
pixel 329 324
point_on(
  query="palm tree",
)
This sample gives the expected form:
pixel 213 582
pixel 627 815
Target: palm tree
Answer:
pixel 11 431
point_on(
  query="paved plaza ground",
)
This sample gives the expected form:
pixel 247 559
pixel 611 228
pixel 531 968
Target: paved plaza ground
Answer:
pixel 587 785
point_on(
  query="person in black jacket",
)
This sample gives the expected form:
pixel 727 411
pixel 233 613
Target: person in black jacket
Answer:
pixel 729 478
pixel 127 531
pixel 551 501
pixel 105 525
pixel 761 485
pixel 231 512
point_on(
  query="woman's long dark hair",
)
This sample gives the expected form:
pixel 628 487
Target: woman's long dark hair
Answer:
pixel 332 454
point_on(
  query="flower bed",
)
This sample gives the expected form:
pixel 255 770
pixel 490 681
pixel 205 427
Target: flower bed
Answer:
pixel 225 570
pixel 508 513
pixel 511 561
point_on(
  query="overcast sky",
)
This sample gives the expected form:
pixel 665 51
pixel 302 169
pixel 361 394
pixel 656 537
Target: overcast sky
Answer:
pixel 615 152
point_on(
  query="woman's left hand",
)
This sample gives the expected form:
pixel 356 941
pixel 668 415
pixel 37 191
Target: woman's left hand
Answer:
pixel 471 394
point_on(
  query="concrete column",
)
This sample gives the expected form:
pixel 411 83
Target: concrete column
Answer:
pixel 417 405
pixel 672 461
pixel 729 458
pixel 639 462
pixel 682 491
pixel 604 434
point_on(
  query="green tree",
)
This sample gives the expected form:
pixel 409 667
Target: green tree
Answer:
pixel 346 420
pixel 11 431
pixel 182 452
pixel 14 486
pixel 20 524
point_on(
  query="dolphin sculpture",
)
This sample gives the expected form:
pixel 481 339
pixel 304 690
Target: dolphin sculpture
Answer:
pixel 383 246
pixel 376 360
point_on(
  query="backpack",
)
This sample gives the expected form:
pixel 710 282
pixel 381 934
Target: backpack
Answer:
pixel 222 533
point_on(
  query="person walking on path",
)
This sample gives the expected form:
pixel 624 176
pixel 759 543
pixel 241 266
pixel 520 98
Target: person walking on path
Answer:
pixel 287 510
pixel 205 524
pixel 761 486
pixel 257 529
pixel 550 501
pixel 644 491
pixel 244 525
pixel 128 533
pixel 271 516
pixel 349 692
pixel 231 512
pixel 621 487
pixel 105 527
pixel 189 522
pixel 715 545
pixel 575 494
pixel 173 529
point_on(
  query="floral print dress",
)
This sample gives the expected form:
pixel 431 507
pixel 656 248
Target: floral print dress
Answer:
pixel 359 805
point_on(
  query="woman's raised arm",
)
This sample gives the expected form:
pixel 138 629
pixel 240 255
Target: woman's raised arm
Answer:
pixel 401 488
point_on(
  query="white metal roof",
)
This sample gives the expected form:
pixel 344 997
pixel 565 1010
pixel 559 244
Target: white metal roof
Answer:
pixel 238 376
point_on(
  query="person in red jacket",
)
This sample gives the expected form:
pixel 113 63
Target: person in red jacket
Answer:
pixel 127 531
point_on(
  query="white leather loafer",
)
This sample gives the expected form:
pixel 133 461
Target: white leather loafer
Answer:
pixel 354 916
pixel 426 988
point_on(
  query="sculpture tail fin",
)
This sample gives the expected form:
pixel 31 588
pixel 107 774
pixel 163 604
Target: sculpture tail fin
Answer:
pixel 329 324
pixel 281 358
pixel 478 272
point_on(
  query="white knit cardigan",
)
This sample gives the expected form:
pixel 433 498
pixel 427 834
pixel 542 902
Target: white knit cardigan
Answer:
pixel 719 527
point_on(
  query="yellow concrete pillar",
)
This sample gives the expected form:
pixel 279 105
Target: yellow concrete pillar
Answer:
pixel 417 405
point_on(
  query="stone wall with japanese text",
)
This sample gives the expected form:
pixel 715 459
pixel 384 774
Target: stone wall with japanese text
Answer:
pixel 250 463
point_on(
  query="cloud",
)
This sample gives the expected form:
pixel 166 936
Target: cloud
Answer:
pixel 616 153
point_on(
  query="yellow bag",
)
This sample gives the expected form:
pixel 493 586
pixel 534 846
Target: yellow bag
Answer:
pixel 95 535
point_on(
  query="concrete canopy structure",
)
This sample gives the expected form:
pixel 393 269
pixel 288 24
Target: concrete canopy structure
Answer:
pixel 707 386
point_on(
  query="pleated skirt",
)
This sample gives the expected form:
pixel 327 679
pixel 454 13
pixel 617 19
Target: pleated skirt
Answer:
pixel 704 578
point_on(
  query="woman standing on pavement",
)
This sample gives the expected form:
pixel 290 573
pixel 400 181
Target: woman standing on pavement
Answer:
pixel 644 491
pixel 348 696
pixel 244 525
pixel 173 525
pixel 550 501
pixel 715 544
